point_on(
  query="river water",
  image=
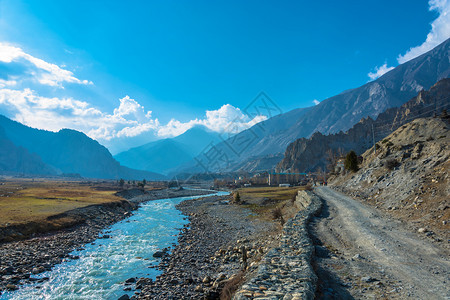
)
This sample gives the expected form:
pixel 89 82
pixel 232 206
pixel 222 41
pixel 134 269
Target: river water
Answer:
pixel 105 264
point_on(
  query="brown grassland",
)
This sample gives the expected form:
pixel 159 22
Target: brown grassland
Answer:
pixel 264 201
pixel 33 200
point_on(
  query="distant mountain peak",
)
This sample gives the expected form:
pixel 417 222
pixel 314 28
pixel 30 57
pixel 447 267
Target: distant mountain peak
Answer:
pixel 163 155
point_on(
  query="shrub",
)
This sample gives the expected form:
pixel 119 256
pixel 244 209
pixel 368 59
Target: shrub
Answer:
pixel 231 286
pixel 351 161
pixel 294 197
pixel 444 114
pixel 391 163
pixel 277 214
pixel 236 198
pixel 172 184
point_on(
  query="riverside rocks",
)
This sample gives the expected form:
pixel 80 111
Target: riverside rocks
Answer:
pixel 20 260
pixel 286 271
pixel 208 252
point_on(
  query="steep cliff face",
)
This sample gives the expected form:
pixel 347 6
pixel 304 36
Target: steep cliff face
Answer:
pixel 305 155
pixel 335 114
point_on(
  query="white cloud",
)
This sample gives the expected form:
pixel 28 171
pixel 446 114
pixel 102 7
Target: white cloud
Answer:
pixel 4 83
pixel 440 31
pixel 129 119
pixel 316 102
pixel 379 71
pixel 44 72
pixel 53 114
pixel 225 119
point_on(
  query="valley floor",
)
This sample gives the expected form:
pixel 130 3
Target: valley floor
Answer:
pixel 20 260
pixel 363 253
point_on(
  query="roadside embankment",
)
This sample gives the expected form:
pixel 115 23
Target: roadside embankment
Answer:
pixel 286 271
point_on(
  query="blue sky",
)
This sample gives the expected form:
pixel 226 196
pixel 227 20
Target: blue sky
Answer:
pixel 175 64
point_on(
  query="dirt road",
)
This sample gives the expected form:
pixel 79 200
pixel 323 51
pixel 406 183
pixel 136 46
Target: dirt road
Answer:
pixel 362 253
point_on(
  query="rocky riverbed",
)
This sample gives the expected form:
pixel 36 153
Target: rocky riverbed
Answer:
pixel 221 244
pixel 21 260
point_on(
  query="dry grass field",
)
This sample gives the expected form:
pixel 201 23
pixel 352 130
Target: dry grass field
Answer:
pixel 33 200
pixel 274 193
pixel 264 202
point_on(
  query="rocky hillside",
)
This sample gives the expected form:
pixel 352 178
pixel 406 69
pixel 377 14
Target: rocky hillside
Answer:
pixel 408 175
pixel 66 151
pixel 335 114
pixel 308 154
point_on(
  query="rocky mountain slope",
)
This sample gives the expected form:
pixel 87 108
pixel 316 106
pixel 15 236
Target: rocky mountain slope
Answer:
pixel 66 151
pixel 309 154
pixel 162 155
pixel 408 175
pixel 338 113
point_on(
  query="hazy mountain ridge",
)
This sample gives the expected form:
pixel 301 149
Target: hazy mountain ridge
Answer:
pixel 249 144
pixel 308 154
pixel 162 155
pixel 18 160
pixel 70 151
pixel 340 112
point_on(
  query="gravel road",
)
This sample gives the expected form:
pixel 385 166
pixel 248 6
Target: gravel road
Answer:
pixel 365 254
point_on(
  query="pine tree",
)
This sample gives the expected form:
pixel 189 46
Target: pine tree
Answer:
pixel 351 161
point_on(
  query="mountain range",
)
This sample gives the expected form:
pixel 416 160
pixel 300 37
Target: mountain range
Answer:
pixel 311 154
pixel 261 147
pixel 163 155
pixel 265 142
pixel 26 150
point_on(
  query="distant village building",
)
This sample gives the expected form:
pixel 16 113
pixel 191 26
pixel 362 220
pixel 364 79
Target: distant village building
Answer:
pixel 288 178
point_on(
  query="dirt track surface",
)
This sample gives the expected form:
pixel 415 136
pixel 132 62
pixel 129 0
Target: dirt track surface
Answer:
pixel 362 253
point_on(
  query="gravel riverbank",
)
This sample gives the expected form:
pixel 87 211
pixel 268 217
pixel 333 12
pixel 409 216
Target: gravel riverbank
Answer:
pixel 21 260
pixel 209 253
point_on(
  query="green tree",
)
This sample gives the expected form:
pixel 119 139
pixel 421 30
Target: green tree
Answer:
pixel 144 182
pixel 237 198
pixel 121 182
pixel 351 161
